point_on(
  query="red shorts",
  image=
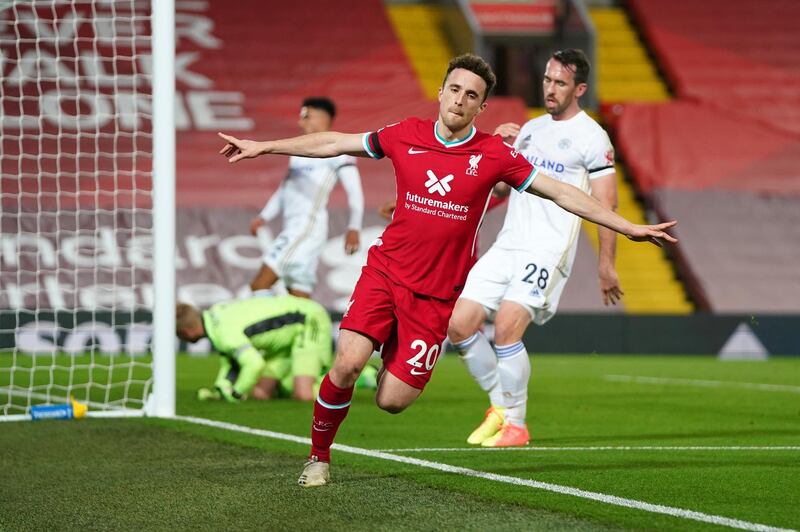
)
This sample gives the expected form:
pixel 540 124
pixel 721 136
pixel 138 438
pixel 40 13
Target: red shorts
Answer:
pixel 411 327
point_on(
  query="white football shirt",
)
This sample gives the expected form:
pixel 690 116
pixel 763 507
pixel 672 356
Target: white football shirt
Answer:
pixel 304 192
pixel 573 151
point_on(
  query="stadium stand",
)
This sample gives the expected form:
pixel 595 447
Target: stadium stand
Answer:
pixel 744 247
pixel 723 157
pixel 735 55
pixel 368 73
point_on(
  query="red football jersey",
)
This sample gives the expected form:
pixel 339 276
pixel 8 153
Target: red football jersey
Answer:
pixel 443 189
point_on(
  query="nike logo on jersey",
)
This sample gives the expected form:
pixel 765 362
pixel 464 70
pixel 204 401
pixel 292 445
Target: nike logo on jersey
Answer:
pixel 416 372
pixel 412 151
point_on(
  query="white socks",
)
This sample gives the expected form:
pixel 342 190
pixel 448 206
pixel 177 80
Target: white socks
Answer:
pixel 513 373
pixel 504 374
pixel 481 362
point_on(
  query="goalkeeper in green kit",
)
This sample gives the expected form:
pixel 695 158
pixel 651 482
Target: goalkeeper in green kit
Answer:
pixel 269 346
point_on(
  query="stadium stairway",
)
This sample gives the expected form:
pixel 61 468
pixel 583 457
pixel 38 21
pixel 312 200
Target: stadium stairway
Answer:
pixel 418 28
pixel 625 72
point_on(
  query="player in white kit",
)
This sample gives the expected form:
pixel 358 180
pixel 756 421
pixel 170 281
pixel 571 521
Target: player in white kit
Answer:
pixel 303 198
pixel 521 277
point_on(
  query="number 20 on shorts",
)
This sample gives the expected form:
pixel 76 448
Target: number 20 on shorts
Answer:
pixel 430 357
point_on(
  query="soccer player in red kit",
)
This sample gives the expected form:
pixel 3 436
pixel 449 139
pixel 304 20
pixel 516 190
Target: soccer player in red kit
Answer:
pixel 445 172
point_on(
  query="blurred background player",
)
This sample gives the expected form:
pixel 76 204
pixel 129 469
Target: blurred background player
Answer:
pixel 268 346
pixel 417 268
pixel 521 277
pixel 303 197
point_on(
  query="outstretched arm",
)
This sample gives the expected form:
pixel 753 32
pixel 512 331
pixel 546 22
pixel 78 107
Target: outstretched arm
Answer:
pixel 319 145
pixel 578 202
pixel 604 190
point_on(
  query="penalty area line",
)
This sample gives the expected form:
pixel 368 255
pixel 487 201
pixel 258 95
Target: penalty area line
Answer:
pixel 546 486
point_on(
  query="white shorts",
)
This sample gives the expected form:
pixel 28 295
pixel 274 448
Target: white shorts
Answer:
pixel 294 257
pixel 528 278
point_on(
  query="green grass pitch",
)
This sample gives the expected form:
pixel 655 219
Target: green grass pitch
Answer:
pixel 151 474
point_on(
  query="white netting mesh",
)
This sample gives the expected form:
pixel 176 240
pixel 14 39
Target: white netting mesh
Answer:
pixel 75 186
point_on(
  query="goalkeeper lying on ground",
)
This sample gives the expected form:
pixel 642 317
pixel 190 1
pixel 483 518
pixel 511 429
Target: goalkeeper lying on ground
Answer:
pixel 269 346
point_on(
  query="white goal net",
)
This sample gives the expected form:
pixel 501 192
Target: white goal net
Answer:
pixel 76 163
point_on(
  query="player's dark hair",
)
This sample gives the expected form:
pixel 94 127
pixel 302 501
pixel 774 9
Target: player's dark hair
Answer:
pixel 478 66
pixel 324 104
pixel 576 60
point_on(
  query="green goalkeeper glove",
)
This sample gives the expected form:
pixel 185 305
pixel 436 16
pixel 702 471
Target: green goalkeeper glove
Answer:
pixel 225 389
pixel 208 394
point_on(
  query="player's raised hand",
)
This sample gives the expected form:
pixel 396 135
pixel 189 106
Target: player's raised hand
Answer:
pixel 508 131
pixel 237 149
pixel 652 233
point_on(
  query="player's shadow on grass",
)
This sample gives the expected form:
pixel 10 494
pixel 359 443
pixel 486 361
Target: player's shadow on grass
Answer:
pixel 691 438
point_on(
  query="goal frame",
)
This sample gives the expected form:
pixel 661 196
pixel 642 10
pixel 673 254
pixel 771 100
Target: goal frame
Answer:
pixel 161 401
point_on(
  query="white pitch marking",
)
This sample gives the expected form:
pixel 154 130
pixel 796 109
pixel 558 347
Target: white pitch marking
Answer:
pixel 599 448
pixel 705 383
pixel 565 490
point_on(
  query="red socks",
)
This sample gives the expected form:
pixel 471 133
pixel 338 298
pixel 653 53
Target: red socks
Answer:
pixel 330 409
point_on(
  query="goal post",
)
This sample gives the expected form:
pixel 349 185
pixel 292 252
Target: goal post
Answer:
pixel 163 25
pixel 87 206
